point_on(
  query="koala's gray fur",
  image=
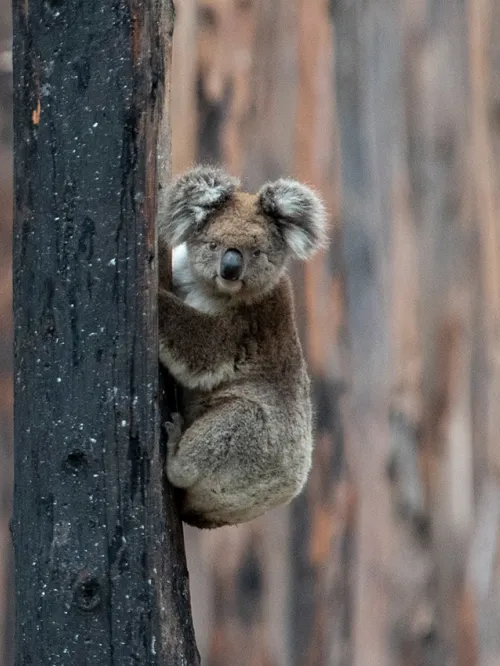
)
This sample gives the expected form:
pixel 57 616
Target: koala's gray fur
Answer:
pixel 291 203
pixel 233 344
pixel 195 196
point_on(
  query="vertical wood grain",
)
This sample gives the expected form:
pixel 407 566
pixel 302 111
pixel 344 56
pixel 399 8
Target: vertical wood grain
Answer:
pixel 100 567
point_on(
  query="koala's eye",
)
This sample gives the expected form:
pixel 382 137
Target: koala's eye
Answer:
pixel 256 253
pixel 212 245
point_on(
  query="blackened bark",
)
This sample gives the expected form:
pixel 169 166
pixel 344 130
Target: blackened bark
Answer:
pixel 100 569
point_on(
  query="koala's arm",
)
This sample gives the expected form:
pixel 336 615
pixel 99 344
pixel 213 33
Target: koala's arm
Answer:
pixel 198 349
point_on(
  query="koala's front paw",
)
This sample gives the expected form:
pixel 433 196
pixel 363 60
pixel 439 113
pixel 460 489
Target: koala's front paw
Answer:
pixel 173 429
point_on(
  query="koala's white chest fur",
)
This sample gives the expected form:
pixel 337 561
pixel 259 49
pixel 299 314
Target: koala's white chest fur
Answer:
pixel 185 284
pixel 190 289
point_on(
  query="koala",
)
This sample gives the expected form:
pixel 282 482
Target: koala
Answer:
pixel 227 334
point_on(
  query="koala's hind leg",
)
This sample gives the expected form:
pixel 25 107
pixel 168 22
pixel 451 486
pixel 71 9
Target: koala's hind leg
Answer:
pixel 181 472
pixel 222 449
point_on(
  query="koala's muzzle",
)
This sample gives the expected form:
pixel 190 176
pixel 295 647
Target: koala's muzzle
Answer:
pixel 231 265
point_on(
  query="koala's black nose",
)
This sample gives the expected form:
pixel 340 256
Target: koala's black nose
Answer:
pixel 231 265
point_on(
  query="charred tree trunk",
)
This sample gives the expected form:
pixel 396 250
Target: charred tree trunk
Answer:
pixel 100 568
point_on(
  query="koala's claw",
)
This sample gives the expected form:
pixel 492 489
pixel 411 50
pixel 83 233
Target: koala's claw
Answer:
pixel 173 429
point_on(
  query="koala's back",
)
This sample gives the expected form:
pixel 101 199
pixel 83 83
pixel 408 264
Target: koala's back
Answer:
pixel 258 422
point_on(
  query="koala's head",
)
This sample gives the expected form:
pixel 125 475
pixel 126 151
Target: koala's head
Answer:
pixel 239 243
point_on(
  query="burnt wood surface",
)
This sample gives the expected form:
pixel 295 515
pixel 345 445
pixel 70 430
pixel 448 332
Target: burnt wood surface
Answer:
pixel 101 576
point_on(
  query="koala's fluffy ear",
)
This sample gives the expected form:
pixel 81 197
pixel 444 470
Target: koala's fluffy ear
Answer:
pixel 299 212
pixel 191 199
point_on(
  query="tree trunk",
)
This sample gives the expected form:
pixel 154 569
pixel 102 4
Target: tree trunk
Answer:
pixel 99 555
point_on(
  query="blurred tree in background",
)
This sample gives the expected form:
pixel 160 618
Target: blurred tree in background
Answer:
pixel 392 110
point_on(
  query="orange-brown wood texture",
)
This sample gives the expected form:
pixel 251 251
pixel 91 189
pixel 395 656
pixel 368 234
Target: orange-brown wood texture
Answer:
pixel 390 109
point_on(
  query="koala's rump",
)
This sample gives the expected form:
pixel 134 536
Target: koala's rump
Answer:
pixel 256 454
